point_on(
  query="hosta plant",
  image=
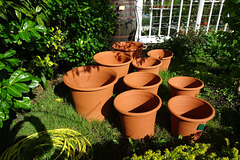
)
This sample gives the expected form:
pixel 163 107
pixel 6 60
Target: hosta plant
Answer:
pixel 15 86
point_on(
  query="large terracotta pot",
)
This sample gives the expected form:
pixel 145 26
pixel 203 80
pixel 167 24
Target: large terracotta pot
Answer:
pixel 189 115
pixel 164 55
pixel 184 85
pixel 118 61
pixel 137 110
pixel 143 81
pixel 147 64
pixel 131 47
pixel 92 90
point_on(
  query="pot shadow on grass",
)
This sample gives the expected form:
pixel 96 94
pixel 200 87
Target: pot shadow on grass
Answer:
pixel 9 138
pixel 64 92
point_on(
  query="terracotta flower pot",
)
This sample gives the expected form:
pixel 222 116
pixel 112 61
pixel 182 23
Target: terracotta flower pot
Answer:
pixel 184 85
pixel 143 81
pixel 189 115
pixel 131 47
pixel 92 90
pixel 137 110
pixel 147 64
pixel 164 55
pixel 119 62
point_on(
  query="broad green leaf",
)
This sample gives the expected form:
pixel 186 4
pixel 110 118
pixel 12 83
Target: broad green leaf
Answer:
pixel 15 107
pixel 18 14
pixel 2 56
pixel 3 16
pixel 8 98
pixel 44 17
pixel 2 115
pixel 13 61
pixel 1 123
pixel 9 53
pixel 28 25
pixel 41 28
pixel 38 9
pixel 24 35
pixel 35 34
pixel 2 65
pixel 39 20
pixel 9 69
pixel 22 87
pixel 26 103
pixel 25 77
pixel 14 91
pixel 44 80
pixel 15 76
pixel 3 93
pixel 5 106
pixel 19 76
pixel 34 84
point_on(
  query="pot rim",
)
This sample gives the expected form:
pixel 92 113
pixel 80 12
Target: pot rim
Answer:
pixel 141 46
pixel 110 53
pixel 182 88
pixel 141 73
pixel 94 88
pixel 134 92
pixel 134 63
pixel 190 119
pixel 164 58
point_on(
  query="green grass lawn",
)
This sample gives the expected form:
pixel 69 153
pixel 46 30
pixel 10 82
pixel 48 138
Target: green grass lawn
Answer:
pixel 106 137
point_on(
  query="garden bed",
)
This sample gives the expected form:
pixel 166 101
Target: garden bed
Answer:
pixel 54 108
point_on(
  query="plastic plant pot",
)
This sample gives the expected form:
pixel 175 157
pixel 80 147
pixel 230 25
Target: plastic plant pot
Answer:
pixel 92 90
pixel 137 110
pixel 147 64
pixel 164 55
pixel 189 116
pixel 184 85
pixel 143 81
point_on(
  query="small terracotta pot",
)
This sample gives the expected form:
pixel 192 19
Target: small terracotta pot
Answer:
pixel 118 61
pixel 137 110
pixel 184 85
pixel 164 55
pixel 189 115
pixel 130 47
pixel 147 64
pixel 143 81
pixel 92 90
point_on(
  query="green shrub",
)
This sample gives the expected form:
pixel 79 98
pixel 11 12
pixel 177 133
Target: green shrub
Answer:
pixel 189 152
pixel 88 26
pixel 15 86
pixel 67 32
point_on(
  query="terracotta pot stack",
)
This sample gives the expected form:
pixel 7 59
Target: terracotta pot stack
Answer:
pixel 92 89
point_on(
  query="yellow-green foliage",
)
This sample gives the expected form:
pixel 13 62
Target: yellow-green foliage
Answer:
pixel 190 152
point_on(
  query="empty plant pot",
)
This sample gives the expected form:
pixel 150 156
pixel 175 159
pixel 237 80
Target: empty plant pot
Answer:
pixel 131 47
pixel 164 55
pixel 147 64
pixel 118 61
pixel 137 110
pixel 143 81
pixel 92 90
pixel 184 85
pixel 189 116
